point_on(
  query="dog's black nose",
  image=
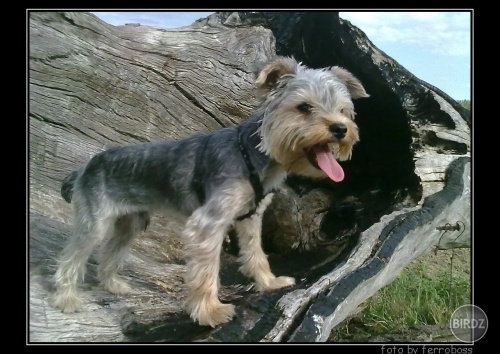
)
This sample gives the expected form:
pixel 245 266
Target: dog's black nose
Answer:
pixel 338 130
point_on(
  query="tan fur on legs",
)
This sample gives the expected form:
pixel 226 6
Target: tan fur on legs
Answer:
pixel 73 262
pixel 115 250
pixel 255 263
pixel 201 277
pixel 203 235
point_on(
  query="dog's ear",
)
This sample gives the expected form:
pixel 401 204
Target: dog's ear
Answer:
pixel 354 86
pixel 267 78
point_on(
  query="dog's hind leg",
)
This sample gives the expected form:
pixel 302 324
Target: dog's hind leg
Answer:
pixel 126 228
pixel 88 233
pixel 203 238
pixel 254 260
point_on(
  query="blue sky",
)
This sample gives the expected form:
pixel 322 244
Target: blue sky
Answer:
pixel 434 45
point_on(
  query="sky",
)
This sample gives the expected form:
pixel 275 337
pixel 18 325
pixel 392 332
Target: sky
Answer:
pixel 435 46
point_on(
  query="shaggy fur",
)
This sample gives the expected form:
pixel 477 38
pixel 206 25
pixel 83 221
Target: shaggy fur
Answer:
pixel 216 179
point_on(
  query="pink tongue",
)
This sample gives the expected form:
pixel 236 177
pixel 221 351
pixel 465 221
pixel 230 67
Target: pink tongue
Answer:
pixel 327 163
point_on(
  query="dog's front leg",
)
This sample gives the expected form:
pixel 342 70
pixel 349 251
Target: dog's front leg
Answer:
pixel 203 238
pixel 254 260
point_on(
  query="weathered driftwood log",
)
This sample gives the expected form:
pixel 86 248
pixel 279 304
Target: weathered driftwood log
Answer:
pixel 93 86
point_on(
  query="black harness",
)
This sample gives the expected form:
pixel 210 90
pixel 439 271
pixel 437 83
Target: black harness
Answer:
pixel 253 175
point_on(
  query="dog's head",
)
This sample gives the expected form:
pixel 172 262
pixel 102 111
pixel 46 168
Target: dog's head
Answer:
pixel 308 116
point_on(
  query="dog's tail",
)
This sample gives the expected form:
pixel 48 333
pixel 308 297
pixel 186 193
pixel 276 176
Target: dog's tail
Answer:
pixel 68 184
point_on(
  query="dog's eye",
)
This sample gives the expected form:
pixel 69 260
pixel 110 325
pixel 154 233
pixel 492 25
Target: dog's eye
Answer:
pixel 304 107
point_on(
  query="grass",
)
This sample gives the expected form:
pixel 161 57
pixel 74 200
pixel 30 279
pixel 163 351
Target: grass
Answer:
pixel 421 295
pixel 465 103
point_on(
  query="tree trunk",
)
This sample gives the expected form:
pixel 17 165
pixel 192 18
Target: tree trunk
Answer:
pixel 94 86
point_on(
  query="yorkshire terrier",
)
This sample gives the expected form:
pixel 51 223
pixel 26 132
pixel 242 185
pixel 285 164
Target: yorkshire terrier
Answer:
pixel 224 179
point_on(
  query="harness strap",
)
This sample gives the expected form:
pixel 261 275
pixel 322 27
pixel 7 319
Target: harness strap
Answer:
pixel 254 176
pixel 197 184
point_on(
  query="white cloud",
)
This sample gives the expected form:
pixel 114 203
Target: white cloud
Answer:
pixel 425 16
pixel 443 33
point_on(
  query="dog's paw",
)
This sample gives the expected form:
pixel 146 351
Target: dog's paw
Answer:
pixel 214 315
pixel 66 303
pixel 276 283
pixel 116 286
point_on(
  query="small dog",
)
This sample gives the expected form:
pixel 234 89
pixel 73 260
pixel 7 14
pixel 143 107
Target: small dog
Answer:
pixel 222 179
